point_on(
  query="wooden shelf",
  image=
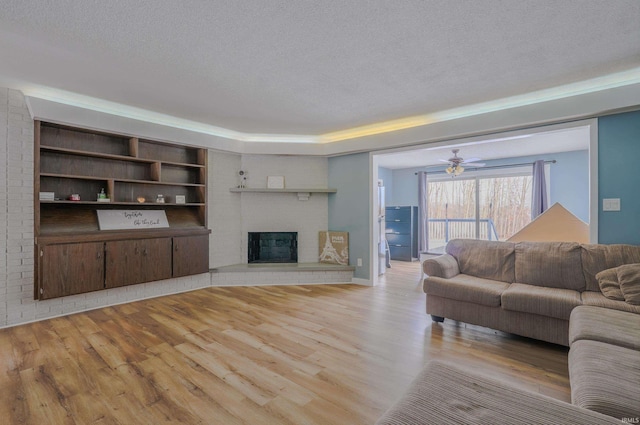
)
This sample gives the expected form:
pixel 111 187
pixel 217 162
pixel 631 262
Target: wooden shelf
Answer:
pixel 294 190
pixel 141 204
pixel 303 193
pixel 115 157
pixel 73 176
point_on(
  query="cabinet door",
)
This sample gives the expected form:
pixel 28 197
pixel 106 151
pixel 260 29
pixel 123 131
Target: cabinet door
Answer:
pixel 137 261
pixel 156 259
pixel 69 269
pixel 190 255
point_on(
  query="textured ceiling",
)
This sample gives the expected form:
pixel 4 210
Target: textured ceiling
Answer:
pixel 302 67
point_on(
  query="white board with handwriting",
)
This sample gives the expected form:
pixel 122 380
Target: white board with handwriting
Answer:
pixel 131 219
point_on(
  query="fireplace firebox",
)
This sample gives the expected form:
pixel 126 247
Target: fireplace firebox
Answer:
pixel 273 247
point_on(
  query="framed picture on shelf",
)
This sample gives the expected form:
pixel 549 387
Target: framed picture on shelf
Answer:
pixel 275 182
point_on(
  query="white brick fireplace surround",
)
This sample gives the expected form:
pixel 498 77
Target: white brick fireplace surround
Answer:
pixel 231 216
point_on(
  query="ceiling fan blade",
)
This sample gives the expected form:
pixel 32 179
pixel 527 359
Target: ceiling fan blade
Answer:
pixel 443 160
pixel 474 164
pixel 471 160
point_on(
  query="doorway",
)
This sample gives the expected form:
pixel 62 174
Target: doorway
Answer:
pixel 573 144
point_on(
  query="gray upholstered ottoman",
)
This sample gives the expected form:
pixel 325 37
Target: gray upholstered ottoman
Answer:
pixel 605 325
pixel 443 394
pixel 605 378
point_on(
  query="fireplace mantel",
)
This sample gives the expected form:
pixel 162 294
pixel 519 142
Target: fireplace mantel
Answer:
pixel 303 193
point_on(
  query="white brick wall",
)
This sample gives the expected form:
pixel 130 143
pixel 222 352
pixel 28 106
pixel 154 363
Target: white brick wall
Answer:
pixel 225 247
pixel 4 134
pixel 16 219
pixel 274 212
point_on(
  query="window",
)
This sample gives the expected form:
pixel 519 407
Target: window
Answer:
pixel 489 205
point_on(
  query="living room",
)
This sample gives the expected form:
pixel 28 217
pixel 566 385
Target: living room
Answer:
pixel 275 108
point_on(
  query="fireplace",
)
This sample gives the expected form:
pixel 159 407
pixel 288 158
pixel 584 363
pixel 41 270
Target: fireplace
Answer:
pixel 273 247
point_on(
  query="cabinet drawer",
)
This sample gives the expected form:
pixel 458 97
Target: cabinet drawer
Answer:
pixel 403 228
pixel 398 214
pixel 400 253
pixel 398 240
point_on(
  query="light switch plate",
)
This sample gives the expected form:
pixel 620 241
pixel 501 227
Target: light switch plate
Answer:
pixel 611 204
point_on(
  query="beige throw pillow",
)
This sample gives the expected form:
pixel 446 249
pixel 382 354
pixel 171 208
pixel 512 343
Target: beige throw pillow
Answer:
pixel 629 278
pixel 609 286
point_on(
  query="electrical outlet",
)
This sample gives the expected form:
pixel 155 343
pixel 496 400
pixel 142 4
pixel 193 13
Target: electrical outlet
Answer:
pixel 611 204
pixel 359 262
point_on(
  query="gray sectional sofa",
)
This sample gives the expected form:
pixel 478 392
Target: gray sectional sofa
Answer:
pixel 545 290
pixel 447 394
pixel 525 288
pixel 604 361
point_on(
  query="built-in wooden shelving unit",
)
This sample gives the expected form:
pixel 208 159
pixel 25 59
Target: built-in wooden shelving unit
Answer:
pixel 74 255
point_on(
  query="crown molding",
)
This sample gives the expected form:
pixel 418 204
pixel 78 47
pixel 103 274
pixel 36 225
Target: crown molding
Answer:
pixel 557 110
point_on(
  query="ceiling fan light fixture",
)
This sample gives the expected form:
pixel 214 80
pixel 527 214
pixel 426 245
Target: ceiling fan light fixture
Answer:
pixel 449 169
pixel 459 170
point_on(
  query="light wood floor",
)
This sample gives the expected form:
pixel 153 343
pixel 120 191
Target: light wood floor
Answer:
pixel 324 354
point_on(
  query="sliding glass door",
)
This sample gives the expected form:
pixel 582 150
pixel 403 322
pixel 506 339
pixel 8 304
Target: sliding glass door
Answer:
pixel 505 206
pixel 489 207
pixel 452 211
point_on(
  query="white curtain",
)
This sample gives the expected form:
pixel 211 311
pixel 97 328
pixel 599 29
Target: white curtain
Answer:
pixel 423 216
pixel 539 203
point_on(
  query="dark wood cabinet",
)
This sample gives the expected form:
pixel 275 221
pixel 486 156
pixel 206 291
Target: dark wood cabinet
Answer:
pixel 137 261
pixel 187 255
pixel 70 269
pixel 132 173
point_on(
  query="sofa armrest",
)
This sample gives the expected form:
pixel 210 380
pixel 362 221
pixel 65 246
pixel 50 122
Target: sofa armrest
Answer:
pixel 445 266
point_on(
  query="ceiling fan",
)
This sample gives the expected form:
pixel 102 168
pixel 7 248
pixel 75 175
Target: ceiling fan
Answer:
pixel 456 163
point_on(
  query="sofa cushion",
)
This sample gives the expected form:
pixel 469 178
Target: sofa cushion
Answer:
pixel 604 378
pixel 444 394
pixel 485 259
pixel 629 279
pixel 466 288
pixel 552 302
pixel 609 285
pixel 598 257
pixel 605 325
pixel 598 300
pixel 550 264
pixel 442 266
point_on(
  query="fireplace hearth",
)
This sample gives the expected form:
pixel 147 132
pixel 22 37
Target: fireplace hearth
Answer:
pixel 273 247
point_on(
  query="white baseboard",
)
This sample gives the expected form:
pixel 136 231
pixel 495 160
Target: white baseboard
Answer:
pixel 364 282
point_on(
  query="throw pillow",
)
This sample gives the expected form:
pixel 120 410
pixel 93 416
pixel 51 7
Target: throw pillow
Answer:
pixel 609 286
pixel 629 278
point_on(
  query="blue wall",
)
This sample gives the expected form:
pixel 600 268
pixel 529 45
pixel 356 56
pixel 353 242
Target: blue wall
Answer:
pixel 618 177
pixel 569 181
pixel 349 207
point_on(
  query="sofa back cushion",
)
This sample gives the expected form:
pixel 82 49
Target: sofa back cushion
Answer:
pixel 485 259
pixel 550 264
pixel 599 257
